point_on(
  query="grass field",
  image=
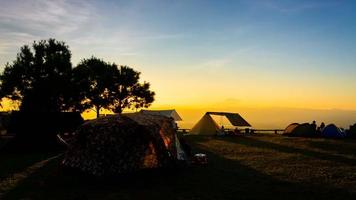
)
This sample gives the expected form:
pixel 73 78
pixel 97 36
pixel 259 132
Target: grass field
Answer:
pixel 261 166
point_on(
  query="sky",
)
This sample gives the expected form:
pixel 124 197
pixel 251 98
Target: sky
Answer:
pixel 274 61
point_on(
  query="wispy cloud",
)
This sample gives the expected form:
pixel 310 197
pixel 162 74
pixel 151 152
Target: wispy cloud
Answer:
pixel 59 16
pixel 88 29
pixel 23 21
pixel 218 64
pixel 116 42
pixel 215 65
pixel 9 40
pixel 291 6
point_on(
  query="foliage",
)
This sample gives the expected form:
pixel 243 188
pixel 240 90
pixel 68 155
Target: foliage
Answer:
pixel 128 92
pixel 40 77
pixel 92 78
pixel 105 85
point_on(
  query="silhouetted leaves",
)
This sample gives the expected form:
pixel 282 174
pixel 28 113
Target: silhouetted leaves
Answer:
pixel 40 77
pixel 105 85
pixel 128 92
pixel 43 80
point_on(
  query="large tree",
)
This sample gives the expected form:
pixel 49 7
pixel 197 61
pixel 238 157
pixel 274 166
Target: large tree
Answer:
pixel 40 77
pixel 128 92
pixel 105 85
pixel 42 80
pixel 93 78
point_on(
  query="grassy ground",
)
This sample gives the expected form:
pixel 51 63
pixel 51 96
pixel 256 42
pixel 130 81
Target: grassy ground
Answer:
pixel 265 166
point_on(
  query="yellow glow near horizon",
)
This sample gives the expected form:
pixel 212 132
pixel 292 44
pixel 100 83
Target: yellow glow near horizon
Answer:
pixel 282 100
pixel 260 116
pixel 196 88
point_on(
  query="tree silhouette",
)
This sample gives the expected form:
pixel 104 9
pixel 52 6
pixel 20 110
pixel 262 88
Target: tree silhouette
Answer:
pixel 104 85
pixel 93 78
pixel 128 92
pixel 40 77
pixel 141 97
pixel 42 80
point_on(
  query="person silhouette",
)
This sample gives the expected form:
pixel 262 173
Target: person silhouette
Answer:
pixel 322 126
pixel 313 125
pixel 221 131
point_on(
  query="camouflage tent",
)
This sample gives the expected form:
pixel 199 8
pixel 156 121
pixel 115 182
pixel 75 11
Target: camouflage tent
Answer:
pixel 122 143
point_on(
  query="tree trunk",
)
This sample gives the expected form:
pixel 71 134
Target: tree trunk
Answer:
pixel 118 108
pixel 97 108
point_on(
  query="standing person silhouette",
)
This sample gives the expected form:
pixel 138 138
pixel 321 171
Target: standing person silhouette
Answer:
pixel 322 126
pixel 313 125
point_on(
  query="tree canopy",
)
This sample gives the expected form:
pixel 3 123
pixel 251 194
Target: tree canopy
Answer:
pixel 42 80
pixel 105 85
pixel 128 92
pixel 40 77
